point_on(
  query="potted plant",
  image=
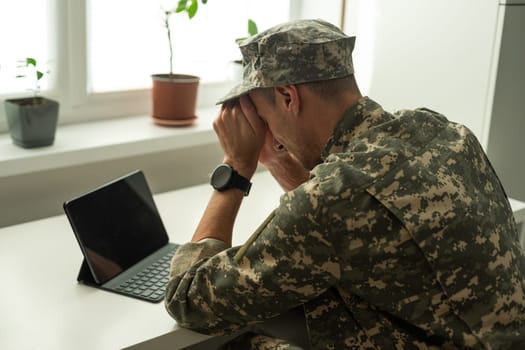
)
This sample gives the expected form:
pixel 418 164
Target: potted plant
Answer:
pixel 32 121
pixel 174 96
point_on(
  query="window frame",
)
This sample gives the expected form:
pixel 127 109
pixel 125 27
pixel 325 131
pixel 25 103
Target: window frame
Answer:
pixel 69 83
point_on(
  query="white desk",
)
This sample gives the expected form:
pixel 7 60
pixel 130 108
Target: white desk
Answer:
pixel 43 307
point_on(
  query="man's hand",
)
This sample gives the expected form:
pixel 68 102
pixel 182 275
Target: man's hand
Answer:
pixel 283 166
pixel 241 134
pixel 272 151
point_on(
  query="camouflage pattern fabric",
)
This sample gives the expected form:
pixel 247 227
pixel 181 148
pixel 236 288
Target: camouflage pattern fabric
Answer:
pixel 403 238
pixel 292 53
pixel 254 341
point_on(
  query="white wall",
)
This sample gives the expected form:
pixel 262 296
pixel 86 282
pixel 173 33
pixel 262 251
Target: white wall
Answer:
pixel 329 10
pixel 41 194
pixel 422 53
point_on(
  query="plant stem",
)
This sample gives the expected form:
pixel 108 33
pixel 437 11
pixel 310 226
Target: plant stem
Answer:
pixel 167 23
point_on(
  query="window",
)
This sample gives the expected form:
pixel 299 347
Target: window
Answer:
pixel 24 32
pixel 102 53
pixel 128 41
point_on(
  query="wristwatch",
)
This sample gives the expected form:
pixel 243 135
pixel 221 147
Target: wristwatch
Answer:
pixel 225 177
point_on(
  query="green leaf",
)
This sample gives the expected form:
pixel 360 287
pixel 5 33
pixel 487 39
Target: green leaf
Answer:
pixel 31 61
pixel 204 2
pixel 192 9
pixel 181 6
pixel 252 27
pixel 20 76
pixel 39 75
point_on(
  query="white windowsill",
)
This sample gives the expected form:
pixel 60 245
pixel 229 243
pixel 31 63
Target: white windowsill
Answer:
pixel 105 140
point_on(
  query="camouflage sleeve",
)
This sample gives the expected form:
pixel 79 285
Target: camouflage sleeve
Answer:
pixel 189 253
pixel 255 341
pixel 291 261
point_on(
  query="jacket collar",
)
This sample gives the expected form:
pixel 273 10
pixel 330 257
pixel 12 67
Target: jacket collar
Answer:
pixel 356 120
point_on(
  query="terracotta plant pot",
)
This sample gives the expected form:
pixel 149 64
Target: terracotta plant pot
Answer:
pixel 174 99
pixel 32 121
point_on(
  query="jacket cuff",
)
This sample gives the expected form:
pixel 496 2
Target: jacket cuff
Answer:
pixel 188 254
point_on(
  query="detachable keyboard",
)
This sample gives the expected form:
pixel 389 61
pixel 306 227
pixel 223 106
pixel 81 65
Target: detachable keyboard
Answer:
pixel 150 283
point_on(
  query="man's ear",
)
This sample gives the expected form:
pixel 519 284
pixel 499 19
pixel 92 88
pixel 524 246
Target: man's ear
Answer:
pixel 288 98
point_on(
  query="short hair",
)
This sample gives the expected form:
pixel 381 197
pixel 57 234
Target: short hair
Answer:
pixel 333 88
pixel 326 89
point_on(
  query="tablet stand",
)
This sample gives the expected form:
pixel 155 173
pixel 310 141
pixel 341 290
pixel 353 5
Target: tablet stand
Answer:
pixel 85 276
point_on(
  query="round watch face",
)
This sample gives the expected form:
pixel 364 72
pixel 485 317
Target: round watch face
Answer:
pixel 221 176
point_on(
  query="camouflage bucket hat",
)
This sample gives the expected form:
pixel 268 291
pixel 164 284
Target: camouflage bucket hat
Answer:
pixel 292 53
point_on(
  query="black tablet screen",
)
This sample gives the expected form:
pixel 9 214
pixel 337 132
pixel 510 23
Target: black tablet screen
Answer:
pixel 116 225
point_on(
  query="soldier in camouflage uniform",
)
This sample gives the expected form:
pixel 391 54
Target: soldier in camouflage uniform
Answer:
pixel 394 231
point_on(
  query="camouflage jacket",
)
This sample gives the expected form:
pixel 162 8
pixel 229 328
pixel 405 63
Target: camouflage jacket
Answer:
pixel 402 238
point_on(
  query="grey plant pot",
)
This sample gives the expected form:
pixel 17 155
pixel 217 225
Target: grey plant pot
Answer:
pixel 32 122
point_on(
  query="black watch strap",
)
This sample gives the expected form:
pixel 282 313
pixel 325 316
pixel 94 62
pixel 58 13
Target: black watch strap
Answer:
pixel 240 182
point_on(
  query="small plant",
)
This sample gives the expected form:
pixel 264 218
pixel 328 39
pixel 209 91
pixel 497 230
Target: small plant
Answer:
pixel 252 30
pixel 32 121
pixel 31 63
pixel 188 6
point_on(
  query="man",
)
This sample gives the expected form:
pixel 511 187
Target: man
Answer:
pixel 394 231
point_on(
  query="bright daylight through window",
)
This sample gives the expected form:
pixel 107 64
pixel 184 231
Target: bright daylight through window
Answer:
pixel 24 32
pixel 101 54
pixel 127 41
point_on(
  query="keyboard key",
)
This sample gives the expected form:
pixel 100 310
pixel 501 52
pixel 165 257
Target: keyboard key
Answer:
pixel 151 282
pixel 146 293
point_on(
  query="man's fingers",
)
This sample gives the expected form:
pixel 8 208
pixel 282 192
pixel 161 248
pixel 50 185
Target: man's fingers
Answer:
pixel 229 104
pixel 248 108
